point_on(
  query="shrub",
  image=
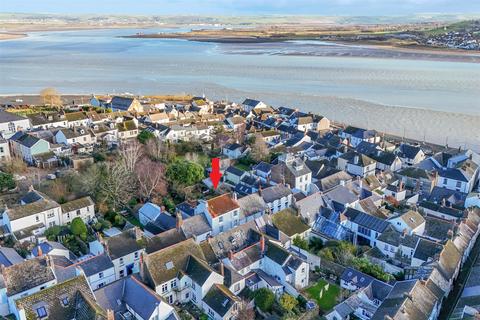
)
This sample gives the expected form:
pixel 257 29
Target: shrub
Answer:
pixel 78 227
pixel 119 221
pixel 288 302
pixel 6 181
pixel 184 172
pixel 264 299
pixel 301 243
pixel 144 136
pixel 52 233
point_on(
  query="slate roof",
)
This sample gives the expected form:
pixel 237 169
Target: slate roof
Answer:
pixel 77 204
pixel 122 244
pixel 164 265
pixel 437 228
pixel 251 204
pixel 289 222
pixel 444 210
pixel 276 253
pixel 48 246
pixel 328 182
pixel 408 151
pixel 195 226
pixel 263 167
pixel 24 139
pixel 357 278
pixel 220 299
pixel 121 103
pixel 408 300
pixel 427 249
pixel 235 171
pixel 412 219
pixel 29 209
pixel 197 270
pixel 8 257
pixel 9 117
pixel 96 264
pixel 250 102
pixel 80 302
pixel 275 192
pixel 395 238
pixel 366 220
pixel 26 275
pixel 164 240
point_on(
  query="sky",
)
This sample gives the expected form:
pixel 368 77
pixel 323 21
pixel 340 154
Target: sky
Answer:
pixel 243 7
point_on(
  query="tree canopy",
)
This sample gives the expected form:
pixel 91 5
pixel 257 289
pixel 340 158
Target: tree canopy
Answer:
pixel 184 172
pixel 6 181
pixel 78 227
pixel 264 299
pixel 288 302
pixel 144 136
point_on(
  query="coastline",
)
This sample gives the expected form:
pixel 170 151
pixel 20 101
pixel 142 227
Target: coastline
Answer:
pixel 12 35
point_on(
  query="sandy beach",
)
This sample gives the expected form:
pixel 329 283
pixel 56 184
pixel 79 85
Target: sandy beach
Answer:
pixel 11 36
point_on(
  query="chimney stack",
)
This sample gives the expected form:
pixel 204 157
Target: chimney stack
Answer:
pixel 222 269
pixel 234 196
pixel 355 159
pixel 262 244
pixel 110 315
pixel 39 251
pixel 179 221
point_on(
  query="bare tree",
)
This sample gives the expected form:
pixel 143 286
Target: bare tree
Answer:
pixel 51 97
pixel 259 148
pixel 244 312
pixel 151 178
pixel 116 185
pixel 130 153
pixel 159 150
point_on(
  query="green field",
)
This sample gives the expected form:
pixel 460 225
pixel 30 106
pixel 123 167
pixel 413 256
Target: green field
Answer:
pixel 329 297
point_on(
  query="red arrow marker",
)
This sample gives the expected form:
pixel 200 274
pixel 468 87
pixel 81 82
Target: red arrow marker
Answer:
pixel 215 175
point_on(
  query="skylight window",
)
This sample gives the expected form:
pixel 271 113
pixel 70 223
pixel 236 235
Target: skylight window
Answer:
pixel 225 302
pixel 169 265
pixel 64 301
pixel 42 312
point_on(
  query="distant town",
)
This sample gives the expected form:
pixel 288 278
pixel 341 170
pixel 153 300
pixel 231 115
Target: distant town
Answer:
pixel 109 212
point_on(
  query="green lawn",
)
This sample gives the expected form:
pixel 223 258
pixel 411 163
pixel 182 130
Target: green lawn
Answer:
pixel 329 297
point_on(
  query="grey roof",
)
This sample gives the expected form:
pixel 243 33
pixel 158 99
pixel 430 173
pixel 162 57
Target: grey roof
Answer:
pixel 122 103
pixel 252 204
pixel 395 238
pixel 197 270
pixel 96 264
pixel 24 139
pixel 366 220
pixel 8 257
pixel 195 226
pixel 427 249
pixel 355 277
pixel 275 192
pixel 27 275
pixel 219 299
pixel 164 240
pixel 309 207
pixel 48 246
pixel 9 117
pixel 141 299
pixel 122 244
pixel 235 171
pixel 437 228
pixel 341 194
pixel 31 196
pixel 250 102
pixel 408 151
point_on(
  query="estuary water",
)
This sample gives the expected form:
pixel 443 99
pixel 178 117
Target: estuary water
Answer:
pixel 415 95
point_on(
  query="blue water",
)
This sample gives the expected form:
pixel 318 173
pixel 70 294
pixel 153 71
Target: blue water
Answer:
pixel 99 61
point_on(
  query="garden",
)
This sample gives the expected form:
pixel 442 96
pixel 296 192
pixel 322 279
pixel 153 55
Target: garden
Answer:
pixel 325 294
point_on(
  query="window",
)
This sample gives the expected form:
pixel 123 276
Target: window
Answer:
pixel 41 312
pixel 221 228
pixel 194 298
pixel 50 215
pixel 364 231
pixel 164 287
pixel 173 284
pixel 459 184
pixel 170 299
pixel 303 270
pixel 100 275
pixel 445 180
pixel 187 295
pixel 121 261
pixel 220 219
pixel 37 218
pixel 78 212
pixel 1 149
pixel 193 285
pixel 122 273
pixel 235 213
pixel 11 127
pixel 136 255
pixel 210 313
pixel 237 287
pixel 68 215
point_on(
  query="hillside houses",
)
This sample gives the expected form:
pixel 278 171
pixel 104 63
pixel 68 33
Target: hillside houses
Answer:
pixel 390 224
